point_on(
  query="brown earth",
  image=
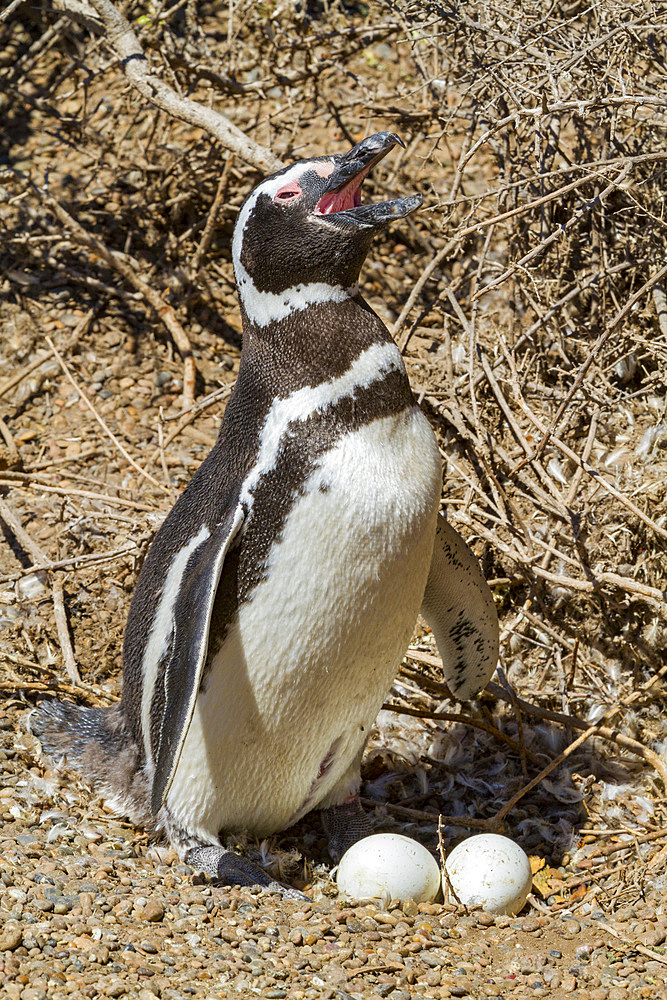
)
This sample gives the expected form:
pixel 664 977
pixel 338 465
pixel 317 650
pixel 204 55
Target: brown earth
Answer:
pixel 575 556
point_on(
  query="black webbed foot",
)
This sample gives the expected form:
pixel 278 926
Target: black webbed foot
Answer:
pixel 227 868
pixel 345 825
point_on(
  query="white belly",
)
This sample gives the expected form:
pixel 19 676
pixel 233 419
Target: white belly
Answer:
pixel 308 661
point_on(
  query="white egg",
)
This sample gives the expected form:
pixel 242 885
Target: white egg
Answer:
pixel 387 864
pixel 489 870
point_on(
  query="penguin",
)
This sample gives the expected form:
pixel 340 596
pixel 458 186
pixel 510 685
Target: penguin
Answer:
pixel 280 594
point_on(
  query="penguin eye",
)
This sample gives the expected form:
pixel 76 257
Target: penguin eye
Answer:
pixel 289 193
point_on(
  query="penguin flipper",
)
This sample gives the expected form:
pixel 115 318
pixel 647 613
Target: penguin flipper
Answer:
pixel 459 608
pixel 191 622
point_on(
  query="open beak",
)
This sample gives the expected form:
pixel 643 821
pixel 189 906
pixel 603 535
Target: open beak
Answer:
pixel 342 196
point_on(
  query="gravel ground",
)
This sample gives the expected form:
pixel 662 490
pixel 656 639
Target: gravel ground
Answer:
pixel 90 908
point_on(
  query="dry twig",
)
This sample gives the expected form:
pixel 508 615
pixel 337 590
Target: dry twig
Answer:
pixel 135 65
pixel 43 562
pixel 100 421
pixel 164 311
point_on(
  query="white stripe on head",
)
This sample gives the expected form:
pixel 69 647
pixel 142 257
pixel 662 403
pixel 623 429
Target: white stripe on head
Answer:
pixel 371 366
pixel 161 632
pixel 263 308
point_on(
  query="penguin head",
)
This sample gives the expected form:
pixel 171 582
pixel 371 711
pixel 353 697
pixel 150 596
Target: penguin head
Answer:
pixel 302 235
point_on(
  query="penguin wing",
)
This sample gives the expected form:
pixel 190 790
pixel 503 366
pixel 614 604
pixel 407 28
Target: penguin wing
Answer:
pixel 189 645
pixel 460 611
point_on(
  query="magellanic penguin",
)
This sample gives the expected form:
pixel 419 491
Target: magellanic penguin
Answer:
pixel 279 596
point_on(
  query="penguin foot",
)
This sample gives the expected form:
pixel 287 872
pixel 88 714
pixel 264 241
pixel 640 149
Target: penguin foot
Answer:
pixel 344 825
pixel 227 868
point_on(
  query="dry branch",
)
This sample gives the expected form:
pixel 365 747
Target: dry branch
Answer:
pixel 655 956
pixel 604 732
pixel 118 444
pixel 558 233
pixel 37 483
pixel 136 67
pixel 42 561
pixel 164 311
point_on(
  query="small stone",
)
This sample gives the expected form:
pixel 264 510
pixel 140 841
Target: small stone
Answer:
pixel 115 989
pixel 45 905
pixel 569 984
pixel 70 319
pixel 10 938
pixel 153 911
pixel 531 924
pixel 653 938
pixel 410 908
pixel 434 959
pixel 26 839
pixel 486 919
pixel 30 993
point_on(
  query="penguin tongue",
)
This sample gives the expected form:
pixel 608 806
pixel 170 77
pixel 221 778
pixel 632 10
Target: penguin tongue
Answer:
pixel 347 208
pixel 346 197
pixel 345 202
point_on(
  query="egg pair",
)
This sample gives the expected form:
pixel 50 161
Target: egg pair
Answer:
pixel 487 870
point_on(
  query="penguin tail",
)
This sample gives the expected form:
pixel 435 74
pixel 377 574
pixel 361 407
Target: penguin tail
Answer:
pixel 97 743
pixel 66 730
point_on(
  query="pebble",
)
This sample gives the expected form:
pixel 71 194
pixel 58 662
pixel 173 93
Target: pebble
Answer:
pixel 10 938
pixel 153 911
pixel 531 924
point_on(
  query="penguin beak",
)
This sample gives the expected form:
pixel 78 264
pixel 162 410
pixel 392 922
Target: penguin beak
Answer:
pixel 342 195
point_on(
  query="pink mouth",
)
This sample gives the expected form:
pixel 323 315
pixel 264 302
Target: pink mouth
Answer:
pixel 343 199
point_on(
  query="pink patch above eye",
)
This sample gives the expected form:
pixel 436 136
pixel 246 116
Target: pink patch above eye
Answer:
pixel 324 168
pixel 288 193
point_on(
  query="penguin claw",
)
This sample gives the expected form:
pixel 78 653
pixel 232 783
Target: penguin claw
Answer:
pixel 287 891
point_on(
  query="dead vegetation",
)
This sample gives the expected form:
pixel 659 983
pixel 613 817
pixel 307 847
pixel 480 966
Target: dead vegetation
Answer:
pixel 528 297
